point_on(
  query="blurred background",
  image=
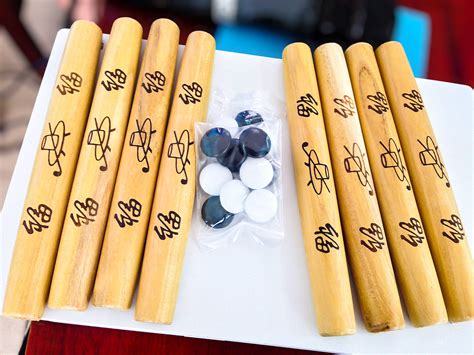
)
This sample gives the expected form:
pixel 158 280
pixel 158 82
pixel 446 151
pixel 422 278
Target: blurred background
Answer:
pixel 437 36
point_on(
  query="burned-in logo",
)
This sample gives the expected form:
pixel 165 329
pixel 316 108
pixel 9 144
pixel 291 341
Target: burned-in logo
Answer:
pixel 326 239
pixel 84 211
pixel 413 101
pixel 179 151
pixel 154 82
pixel 168 225
pixel 129 212
pixel 38 218
pixel 69 84
pixel 412 232
pixel 373 237
pixel 391 158
pixel 99 137
pixel 141 140
pixel 191 94
pixel 379 103
pixel 318 172
pixel 307 106
pixel 115 80
pixel 453 228
pixel 345 106
pixel 53 143
pixel 355 164
pixel 429 156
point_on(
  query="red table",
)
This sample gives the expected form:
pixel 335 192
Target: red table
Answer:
pixel 56 338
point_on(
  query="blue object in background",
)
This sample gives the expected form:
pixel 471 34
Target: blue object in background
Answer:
pixel 252 40
pixel 412 28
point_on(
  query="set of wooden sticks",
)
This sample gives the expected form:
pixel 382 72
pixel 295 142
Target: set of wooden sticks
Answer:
pixel 91 201
pixel 112 189
pixel 358 124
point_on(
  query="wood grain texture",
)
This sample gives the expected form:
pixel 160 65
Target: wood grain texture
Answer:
pixel 173 202
pixel 127 222
pixel 317 200
pixel 93 185
pixel 434 195
pixel 53 172
pixel 362 224
pixel 414 268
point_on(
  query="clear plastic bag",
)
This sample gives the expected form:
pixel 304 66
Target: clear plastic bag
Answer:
pixel 256 220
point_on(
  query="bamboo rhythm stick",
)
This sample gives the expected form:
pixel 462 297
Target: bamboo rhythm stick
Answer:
pixel 174 195
pixel 434 195
pixel 128 217
pixel 362 223
pixel 91 193
pixel 322 232
pixel 50 183
pixel 410 252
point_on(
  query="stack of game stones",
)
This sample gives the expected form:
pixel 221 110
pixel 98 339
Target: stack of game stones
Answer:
pixel 237 182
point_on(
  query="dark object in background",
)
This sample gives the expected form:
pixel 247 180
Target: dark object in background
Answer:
pixel 321 21
pixel 317 21
pixel 451 24
pixel 11 21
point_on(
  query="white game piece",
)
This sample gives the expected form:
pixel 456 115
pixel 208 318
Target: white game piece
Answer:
pixel 213 177
pixel 233 195
pixel 261 205
pixel 256 173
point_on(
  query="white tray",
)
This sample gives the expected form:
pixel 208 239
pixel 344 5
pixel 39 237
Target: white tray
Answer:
pixel 253 294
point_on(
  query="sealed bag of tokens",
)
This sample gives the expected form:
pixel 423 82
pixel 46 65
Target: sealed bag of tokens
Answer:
pixel 238 188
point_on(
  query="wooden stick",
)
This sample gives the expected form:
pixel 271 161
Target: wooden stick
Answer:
pixel 91 192
pixel 434 195
pixel 322 232
pixel 362 223
pixel 50 183
pixel 410 252
pixel 174 195
pixel 127 223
